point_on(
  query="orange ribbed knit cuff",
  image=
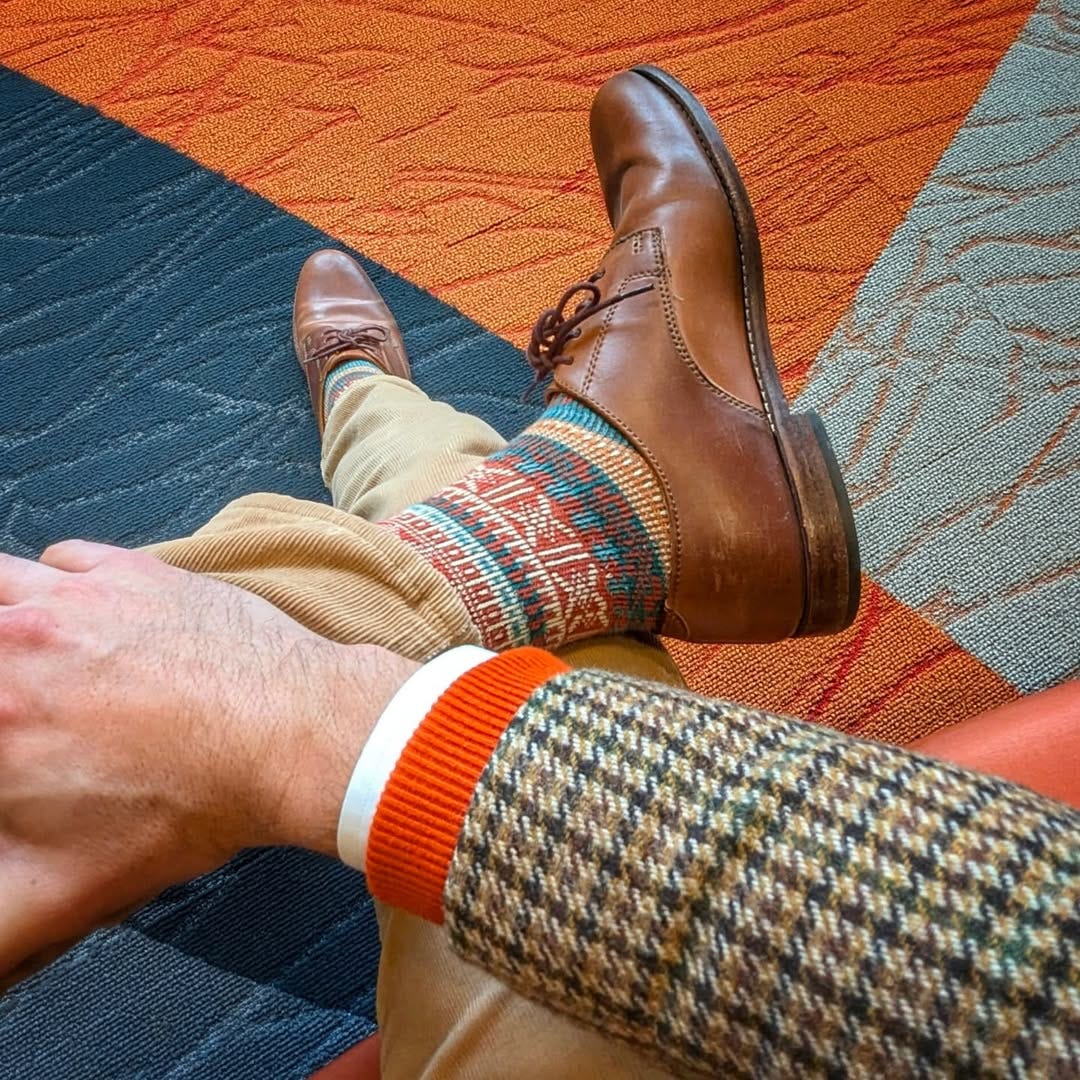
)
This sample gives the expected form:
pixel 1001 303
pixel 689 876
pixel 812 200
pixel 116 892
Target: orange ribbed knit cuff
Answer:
pixel 423 806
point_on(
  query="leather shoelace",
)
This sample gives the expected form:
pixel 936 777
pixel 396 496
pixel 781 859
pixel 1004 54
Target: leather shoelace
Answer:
pixel 332 340
pixel 554 328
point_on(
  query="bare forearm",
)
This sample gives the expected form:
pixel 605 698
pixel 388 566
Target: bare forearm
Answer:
pixel 319 747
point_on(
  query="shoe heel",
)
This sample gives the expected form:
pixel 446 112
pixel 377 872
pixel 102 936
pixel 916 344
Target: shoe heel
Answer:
pixel 831 543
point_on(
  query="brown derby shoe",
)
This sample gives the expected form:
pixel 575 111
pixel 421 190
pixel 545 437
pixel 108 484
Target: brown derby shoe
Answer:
pixel 338 315
pixel 763 541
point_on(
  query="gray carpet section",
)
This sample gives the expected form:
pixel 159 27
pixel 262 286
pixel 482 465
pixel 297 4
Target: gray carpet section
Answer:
pixel 951 389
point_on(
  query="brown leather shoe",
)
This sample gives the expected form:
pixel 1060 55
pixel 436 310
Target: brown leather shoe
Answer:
pixel 670 344
pixel 338 315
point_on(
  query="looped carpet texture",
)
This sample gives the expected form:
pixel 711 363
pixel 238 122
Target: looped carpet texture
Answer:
pixel 165 169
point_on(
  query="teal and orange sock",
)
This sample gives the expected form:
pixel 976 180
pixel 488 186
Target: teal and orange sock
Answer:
pixel 342 377
pixel 560 535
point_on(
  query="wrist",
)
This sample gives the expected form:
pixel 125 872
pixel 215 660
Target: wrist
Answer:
pixel 399 721
pixel 308 772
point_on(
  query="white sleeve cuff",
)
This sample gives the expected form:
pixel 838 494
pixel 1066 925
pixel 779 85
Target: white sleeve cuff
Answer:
pixel 392 732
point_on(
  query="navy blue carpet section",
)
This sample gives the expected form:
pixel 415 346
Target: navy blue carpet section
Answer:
pixel 148 379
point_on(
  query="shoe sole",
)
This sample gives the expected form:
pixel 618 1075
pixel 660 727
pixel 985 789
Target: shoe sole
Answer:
pixel 830 542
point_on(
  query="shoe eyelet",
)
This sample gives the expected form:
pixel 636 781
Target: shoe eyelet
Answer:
pixel 594 277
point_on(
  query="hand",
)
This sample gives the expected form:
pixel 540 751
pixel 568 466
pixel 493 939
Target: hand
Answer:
pixel 152 723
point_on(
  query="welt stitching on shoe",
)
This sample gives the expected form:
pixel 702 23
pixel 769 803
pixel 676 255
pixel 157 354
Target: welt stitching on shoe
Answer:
pixel 747 322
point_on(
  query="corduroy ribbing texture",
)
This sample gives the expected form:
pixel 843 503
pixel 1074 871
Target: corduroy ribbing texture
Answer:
pixel 343 578
pixel 387 445
pixel 419 816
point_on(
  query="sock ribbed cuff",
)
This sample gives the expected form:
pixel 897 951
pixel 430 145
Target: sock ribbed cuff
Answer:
pixel 423 806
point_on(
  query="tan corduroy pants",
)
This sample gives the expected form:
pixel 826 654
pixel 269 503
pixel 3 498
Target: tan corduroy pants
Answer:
pixel 388 445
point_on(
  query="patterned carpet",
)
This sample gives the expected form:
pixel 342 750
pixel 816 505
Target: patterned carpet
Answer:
pixel 164 169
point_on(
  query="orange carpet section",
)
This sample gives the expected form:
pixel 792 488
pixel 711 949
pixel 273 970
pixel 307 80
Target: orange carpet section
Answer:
pixel 448 140
pixel 890 676
pixel 357 1063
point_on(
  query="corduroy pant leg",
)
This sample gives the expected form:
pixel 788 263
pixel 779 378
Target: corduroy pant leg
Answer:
pixel 388 445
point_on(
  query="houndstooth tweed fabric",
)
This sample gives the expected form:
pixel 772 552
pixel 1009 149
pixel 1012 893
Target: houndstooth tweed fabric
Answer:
pixel 755 896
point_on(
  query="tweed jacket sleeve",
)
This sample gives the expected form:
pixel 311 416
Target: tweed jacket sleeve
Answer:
pixel 739 893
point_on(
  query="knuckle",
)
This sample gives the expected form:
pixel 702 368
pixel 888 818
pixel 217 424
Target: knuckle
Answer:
pixel 62 551
pixel 29 626
pixel 123 564
pixel 136 560
pixel 80 556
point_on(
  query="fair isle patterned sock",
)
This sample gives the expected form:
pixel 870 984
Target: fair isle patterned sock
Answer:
pixel 560 535
pixel 342 377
